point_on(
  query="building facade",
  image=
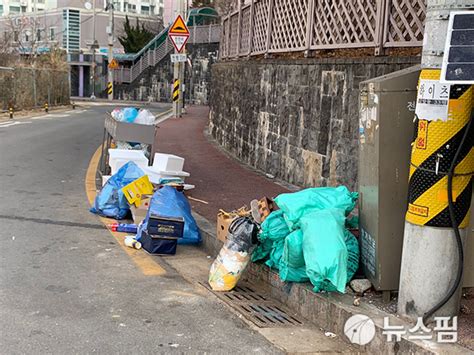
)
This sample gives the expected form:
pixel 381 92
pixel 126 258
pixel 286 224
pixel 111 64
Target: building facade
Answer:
pixel 140 7
pixel 38 26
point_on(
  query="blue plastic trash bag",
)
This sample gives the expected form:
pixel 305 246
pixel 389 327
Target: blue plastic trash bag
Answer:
pixel 110 202
pixel 129 114
pixel 168 202
pixel 295 205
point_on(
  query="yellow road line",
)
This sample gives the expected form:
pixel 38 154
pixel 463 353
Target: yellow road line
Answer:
pixel 148 265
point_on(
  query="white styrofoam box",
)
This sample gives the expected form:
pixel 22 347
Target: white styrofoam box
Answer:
pixel 119 157
pixel 168 162
pixel 105 178
pixel 155 175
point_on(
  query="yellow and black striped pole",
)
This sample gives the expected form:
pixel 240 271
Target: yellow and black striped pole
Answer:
pixel 432 154
pixel 176 90
pixel 430 255
pixel 176 98
pixel 110 89
pixel 10 111
pixel 46 107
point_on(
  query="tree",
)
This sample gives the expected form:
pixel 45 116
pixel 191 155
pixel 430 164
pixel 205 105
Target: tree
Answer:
pixel 134 38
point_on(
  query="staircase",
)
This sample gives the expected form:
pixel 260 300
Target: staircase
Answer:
pixel 157 49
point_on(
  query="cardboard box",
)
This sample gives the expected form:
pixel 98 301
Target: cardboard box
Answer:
pixel 157 245
pixel 223 222
pixel 265 207
pixel 165 227
pixel 139 213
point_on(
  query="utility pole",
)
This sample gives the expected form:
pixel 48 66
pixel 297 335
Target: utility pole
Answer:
pixel 93 50
pixel 110 81
pixel 178 75
pixel 430 277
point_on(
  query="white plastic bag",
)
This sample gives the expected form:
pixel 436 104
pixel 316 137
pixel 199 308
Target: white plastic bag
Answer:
pixel 234 256
pixel 145 117
pixel 227 268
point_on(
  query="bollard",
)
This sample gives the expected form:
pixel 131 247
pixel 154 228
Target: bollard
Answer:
pixel 73 105
pixel 46 107
pixel 10 111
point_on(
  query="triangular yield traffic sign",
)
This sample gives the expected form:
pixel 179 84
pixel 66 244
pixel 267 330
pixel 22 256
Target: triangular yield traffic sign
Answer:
pixel 178 41
pixel 179 27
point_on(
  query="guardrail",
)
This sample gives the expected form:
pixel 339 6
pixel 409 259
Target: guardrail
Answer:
pixel 275 26
pixel 151 57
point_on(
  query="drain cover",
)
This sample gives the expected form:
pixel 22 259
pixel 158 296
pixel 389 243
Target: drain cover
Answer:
pixel 257 307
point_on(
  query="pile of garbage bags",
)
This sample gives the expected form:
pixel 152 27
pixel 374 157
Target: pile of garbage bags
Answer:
pixel 132 115
pixel 169 202
pixel 166 201
pixel 307 238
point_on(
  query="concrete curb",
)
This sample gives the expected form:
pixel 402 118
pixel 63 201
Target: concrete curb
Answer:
pixel 27 114
pixel 328 311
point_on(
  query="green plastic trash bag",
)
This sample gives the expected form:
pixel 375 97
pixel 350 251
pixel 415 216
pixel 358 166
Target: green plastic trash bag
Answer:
pixel 263 250
pixel 352 222
pixel 276 254
pixel 324 248
pixel 353 254
pixel 292 264
pixel 273 229
pixel 274 226
pixel 295 205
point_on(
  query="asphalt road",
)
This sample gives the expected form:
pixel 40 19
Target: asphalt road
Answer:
pixel 66 286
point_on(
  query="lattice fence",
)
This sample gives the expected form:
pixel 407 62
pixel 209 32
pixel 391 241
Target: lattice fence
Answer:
pixel 270 26
pixel 260 26
pixel 245 28
pixel 289 25
pixel 343 23
pixel 404 21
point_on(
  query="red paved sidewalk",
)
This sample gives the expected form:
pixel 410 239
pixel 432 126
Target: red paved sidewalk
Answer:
pixel 219 180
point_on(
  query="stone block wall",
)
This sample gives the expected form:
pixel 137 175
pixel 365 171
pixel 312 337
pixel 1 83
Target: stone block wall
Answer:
pixel 295 119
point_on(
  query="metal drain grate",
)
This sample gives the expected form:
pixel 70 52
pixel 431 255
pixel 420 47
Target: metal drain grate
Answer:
pixel 257 307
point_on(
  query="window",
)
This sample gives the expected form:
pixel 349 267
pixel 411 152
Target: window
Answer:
pixel 1 9
pixel 27 36
pixel 15 9
pixel 39 34
pixel 145 10
pixel 23 9
pixel 52 33
pixel 72 34
pixel 15 36
pixel 40 1
pixel 132 8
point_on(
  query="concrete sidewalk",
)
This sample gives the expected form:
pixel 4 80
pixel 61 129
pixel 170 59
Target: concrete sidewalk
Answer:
pixel 220 180
pixel 226 184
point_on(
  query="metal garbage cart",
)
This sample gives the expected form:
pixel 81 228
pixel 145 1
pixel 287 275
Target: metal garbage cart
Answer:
pixel 126 132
